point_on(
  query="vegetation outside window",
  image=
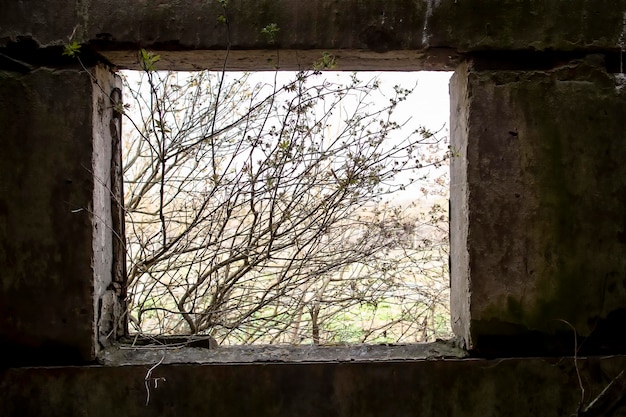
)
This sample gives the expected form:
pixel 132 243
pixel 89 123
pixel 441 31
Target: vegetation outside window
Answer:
pixel 265 208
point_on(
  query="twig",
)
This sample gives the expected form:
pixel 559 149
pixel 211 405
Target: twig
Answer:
pixel 149 378
pixel 580 381
pixel 606 401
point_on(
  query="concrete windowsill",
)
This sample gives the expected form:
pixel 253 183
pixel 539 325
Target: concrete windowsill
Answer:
pixel 121 355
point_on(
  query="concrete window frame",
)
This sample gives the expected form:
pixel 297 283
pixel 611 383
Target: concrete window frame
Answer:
pixel 181 348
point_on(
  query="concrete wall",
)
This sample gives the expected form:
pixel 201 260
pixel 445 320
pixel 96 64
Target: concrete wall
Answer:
pixel 538 197
pixel 538 194
pixel 55 212
pixel 504 387
pixel 364 34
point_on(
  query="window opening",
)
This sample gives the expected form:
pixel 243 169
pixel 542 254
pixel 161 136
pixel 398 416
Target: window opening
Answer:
pixel 299 208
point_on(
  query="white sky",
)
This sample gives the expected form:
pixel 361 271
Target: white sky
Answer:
pixel 430 102
pixel 427 106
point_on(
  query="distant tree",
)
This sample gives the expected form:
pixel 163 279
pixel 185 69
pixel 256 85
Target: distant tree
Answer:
pixel 258 212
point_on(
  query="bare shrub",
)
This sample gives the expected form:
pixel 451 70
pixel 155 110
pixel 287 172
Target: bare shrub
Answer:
pixel 262 212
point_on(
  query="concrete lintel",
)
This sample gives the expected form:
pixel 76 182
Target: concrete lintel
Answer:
pixel 441 59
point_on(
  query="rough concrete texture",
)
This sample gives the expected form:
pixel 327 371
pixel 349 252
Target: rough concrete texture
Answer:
pixel 460 286
pixel 508 25
pixel 195 25
pixel 55 255
pixel 538 229
pixel 481 388
pixel 430 32
pixel 203 353
pixel 107 272
pixel 538 198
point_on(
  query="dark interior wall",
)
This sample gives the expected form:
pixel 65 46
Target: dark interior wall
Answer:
pixel 46 195
pixel 485 388
pixel 55 210
pixel 538 201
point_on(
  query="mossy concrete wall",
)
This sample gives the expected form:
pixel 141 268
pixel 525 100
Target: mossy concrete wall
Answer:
pixel 466 25
pixel 538 197
pixel 451 388
pixel 538 207
pixel 364 34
